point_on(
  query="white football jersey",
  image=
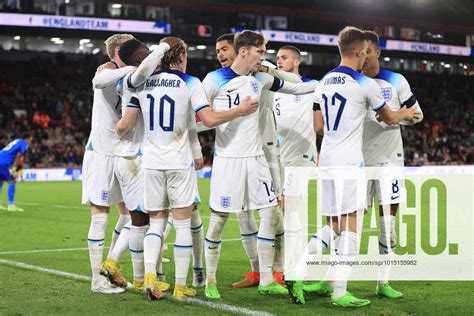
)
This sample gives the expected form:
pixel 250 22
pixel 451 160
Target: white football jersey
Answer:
pixel 344 96
pixel 167 100
pixel 241 136
pixel 294 120
pixel 382 142
pixel 106 111
pixel 130 143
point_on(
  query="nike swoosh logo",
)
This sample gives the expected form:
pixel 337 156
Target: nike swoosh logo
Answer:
pixel 395 197
pixel 211 248
pixel 270 201
pixel 229 91
pixel 100 245
pixel 277 99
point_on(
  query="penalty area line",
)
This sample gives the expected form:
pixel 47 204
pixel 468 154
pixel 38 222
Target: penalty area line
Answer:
pixel 213 305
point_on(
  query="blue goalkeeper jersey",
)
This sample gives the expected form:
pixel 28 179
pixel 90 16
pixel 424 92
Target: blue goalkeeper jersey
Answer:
pixel 8 154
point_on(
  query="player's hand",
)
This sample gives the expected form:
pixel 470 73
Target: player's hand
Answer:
pixel 410 114
pixel 198 163
pixel 263 68
pixel 13 171
pixel 247 106
pixel 171 41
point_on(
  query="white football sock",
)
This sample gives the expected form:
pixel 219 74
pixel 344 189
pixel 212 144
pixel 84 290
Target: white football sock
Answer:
pixel 265 243
pixel 95 241
pixel 137 235
pixel 198 239
pixel 279 258
pixel 248 233
pixel 346 251
pixel 321 240
pixel 182 249
pixel 213 244
pixel 166 233
pixel 121 222
pixel 121 245
pixel 387 242
pixel 152 243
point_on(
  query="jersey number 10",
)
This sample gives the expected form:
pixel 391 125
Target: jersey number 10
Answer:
pixel 166 104
pixel 342 103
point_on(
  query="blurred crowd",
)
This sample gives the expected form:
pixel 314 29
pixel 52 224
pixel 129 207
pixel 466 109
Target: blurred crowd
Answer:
pixel 52 98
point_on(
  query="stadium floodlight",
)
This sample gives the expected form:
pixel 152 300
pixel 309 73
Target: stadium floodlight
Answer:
pixel 304 53
pixel 116 5
pixel 95 51
pixel 465 67
pixel 425 62
pixel 55 39
pixel 17 38
pixel 84 41
pixel 59 42
pixel 90 45
pixel 447 66
pixel 191 48
pixel 402 61
pixel 201 47
pixel 271 51
pixel 386 59
pixel 66 1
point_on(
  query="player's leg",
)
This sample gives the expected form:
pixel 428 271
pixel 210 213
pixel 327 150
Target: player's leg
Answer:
pixel 212 251
pixel 197 231
pixel 161 259
pixel 11 197
pixel 138 229
pixel 96 191
pixel 123 219
pixel 272 156
pixel 225 197
pixel 248 233
pixel 157 204
pixel 2 174
pixel 181 186
pixel 182 251
pixel 346 251
pixel 152 245
pixel 387 238
pixel 261 196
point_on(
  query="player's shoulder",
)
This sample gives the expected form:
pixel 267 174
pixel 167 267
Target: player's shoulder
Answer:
pixel 108 65
pixel 356 76
pixel 188 79
pixel 394 78
pixel 221 76
pixel 306 79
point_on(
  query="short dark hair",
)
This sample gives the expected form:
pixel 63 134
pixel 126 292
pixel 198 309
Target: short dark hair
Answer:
pixel 128 50
pixel 294 49
pixel 373 37
pixel 173 56
pixel 25 135
pixel 349 37
pixel 226 37
pixel 248 38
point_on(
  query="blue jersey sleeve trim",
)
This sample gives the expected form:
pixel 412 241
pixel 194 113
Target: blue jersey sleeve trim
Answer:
pixel 223 75
pixel 360 78
pixel 200 107
pixel 391 77
pixel 378 107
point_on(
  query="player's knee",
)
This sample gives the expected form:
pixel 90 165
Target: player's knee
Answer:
pixel 99 209
pixel 139 219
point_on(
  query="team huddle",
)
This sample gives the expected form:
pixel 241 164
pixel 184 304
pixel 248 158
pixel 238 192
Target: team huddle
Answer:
pixel 143 153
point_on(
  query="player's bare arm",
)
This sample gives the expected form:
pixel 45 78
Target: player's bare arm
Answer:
pixel 127 121
pixel 390 117
pixel 212 119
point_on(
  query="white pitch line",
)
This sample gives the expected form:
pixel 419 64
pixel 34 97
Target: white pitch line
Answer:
pixel 214 305
pixel 78 249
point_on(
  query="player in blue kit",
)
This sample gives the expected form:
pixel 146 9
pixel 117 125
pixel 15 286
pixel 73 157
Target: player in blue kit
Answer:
pixel 9 157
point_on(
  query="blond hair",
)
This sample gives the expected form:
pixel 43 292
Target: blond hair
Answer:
pixel 349 38
pixel 116 41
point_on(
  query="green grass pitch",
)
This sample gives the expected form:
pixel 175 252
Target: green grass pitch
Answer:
pixel 55 220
